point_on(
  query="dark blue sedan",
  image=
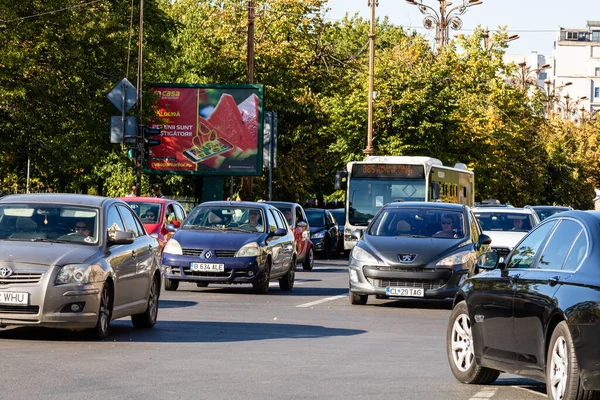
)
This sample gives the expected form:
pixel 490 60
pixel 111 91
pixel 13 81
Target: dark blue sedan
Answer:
pixel 232 243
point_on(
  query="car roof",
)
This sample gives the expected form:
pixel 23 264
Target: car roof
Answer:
pixel 503 210
pixel 62 198
pixel 140 199
pixel 263 205
pixel 550 207
pixel 425 204
pixel 282 203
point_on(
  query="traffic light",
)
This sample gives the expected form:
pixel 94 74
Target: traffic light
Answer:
pixel 148 134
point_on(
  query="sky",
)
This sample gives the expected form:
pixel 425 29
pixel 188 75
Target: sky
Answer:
pixel 535 21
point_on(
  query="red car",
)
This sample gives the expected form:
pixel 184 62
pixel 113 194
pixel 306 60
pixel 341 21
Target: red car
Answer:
pixel 296 218
pixel 155 214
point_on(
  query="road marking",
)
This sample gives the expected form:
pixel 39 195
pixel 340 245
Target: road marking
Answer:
pixel 325 300
pixel 485 394
pixel 529 390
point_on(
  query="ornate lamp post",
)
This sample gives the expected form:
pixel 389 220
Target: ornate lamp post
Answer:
pixel 527 76
pixel 448 17
pixel 553 94
pixel 569 105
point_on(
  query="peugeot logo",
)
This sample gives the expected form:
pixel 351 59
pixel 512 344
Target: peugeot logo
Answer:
pixel 406 258
pixel 208 254
pixel 5 272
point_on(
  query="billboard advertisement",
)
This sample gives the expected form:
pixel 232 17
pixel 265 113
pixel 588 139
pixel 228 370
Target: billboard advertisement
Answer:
pixel 207 130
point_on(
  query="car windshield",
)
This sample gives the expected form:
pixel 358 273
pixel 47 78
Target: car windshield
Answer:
pixel 48 222
pixel 494 221
pixel 418 222
pixel 233 218
pixel 148 212
pixel 339 215
pixel 545 212
pixel 315 218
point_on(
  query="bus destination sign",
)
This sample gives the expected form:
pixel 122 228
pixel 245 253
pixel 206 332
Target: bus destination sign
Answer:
pixel 388 171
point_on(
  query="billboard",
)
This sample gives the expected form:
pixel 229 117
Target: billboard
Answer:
pixel 207 130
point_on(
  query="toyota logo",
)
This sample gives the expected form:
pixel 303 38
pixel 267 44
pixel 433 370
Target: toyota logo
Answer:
pixel 406 258
pixel 5 272
pixel 208 254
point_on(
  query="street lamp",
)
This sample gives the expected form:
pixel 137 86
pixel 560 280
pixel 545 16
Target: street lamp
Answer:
pixel 526 76
pixel 486 39
pixel 445 19
pixel 569 106
pixel 553 94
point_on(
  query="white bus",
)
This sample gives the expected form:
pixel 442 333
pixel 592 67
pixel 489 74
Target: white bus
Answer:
pixel 379 180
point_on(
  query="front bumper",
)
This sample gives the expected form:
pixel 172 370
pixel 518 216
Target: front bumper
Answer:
pixel 318 244
pixel 237 270
pixel 437 282
pixel 49 305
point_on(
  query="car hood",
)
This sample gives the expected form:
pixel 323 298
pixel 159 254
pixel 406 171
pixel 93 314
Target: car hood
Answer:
pixel 43 254
pixel 315 229
pixel 426 250
pixel 219 240
pixel 505 238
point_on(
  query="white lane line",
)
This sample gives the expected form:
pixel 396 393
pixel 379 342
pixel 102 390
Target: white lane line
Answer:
pixel 325 300
pixel 485 394
pixel 529 390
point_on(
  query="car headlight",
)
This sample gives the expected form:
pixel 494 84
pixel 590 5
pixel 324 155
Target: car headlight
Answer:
pixel 173 247
pixel 73 273
pixel 362 255
pixel 456 259
pixel 318 235
pixel 249 250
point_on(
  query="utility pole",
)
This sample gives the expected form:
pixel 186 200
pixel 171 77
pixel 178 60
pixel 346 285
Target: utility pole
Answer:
pixel 247 181
pixel 139 156
pixel 369 151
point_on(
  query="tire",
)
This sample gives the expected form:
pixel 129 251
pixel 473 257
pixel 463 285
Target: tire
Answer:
pixel 262 286
pixel 327 250
pixel 309 260
pixel 147 319
pixel 171 285
pixel 201 284
pixel 100 331
pixel 286 282
pixel 459 348
pixel 358 299
pixel 562 370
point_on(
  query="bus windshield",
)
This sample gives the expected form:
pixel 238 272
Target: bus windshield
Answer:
pixel 367 196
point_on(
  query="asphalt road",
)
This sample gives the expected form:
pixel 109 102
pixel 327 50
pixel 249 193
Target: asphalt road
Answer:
pixel 224 342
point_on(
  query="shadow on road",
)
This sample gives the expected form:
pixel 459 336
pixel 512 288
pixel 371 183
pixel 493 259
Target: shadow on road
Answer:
pixel 175 304
pixel 417 303
pixel 523 383
pixel 186 332
pixel 297 291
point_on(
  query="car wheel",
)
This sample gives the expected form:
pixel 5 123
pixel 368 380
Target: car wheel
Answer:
pixel 262 286
pixel 100 331
pixel 358 299
pixel 201 284
pixel 562 370
pixel 459 346
pixel 287 281
pixel 309 260
pixel 328 250
pixel 147 319
pixel 170 284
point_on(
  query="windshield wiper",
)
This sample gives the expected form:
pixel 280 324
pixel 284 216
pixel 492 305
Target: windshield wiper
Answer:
pixel 207 228
pixel 360 223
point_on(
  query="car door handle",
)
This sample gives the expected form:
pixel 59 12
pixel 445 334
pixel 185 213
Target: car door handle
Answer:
pixel 515 277
pixel 554 280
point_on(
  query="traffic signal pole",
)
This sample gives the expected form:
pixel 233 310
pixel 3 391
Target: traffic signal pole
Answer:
pixel 139 152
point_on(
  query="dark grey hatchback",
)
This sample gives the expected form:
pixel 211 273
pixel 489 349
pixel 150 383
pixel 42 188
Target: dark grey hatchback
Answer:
pixel 415 249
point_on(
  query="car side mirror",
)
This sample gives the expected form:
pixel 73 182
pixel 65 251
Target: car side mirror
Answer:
pixel 120 237
pixel 489 260
pixel 302 224
pixel 279 232
pixel 172 227
pixel 357 234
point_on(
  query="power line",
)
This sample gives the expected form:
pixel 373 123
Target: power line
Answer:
pixel 50 12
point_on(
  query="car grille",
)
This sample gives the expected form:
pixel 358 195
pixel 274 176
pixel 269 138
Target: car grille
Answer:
pixel 225 253
pixel 188 272
pixel 413 283
pixel 192 252
pixel 5 309
pixel 20 277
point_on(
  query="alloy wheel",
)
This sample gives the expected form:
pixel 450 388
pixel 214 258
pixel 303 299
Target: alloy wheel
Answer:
pixel 559 368
pixel 462 343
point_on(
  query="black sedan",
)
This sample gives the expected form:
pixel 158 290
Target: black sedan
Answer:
pixel 415 249
pixel 537 314
pixel 324 232
pixel 233 243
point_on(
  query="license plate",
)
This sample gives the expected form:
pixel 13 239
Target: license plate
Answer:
pixel 207 267
pixel 404 292
pixel 15 298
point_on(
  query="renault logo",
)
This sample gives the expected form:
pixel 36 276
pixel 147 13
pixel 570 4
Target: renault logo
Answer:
pixel 208 254
pixel 5 272
pixel 406 258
